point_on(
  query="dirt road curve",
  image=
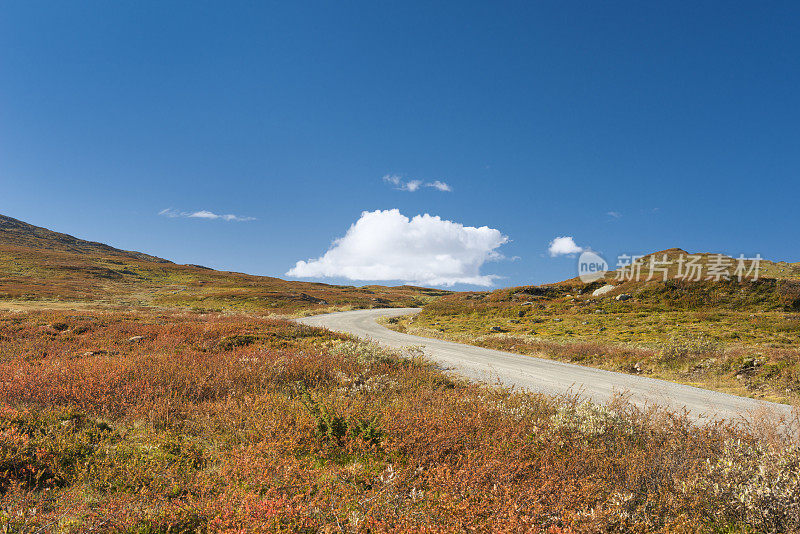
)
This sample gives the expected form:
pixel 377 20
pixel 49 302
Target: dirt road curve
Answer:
pixel 547 376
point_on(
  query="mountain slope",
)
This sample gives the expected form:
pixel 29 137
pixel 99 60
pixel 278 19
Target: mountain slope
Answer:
pixel 16 233
pixel 37 264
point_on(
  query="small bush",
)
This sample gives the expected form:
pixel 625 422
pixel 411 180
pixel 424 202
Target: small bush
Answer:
pixel 334 428
pixel 682 348
pixel 46 450
pixel 236 341
pixel 759 484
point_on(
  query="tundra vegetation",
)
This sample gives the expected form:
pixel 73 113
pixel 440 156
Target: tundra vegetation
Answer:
pixel 194 422
pixel 40 268
pixel 740 337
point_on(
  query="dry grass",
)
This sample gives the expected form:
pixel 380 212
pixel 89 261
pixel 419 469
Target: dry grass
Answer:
pixel 142 422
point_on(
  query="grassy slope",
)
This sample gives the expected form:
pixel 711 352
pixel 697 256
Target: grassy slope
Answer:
pixel 43 266
pixel 739 337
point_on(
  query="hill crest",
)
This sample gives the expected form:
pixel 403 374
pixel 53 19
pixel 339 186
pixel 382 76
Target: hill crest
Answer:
pixel 14 232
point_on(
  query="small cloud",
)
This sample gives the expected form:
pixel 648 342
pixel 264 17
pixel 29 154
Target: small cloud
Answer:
pixel 413 185
pixel 204 214
pixel 440 186
pixel 392 179
pixel 562 246
pixel 614 214
pixel 425 249
pixel 169 212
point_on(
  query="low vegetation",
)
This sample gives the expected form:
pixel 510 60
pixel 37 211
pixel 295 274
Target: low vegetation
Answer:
pixel 40 268
pixel 188 422
pixel 741 337
pixel 140 396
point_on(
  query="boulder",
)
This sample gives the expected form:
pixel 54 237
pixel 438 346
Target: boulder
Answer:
pixel 623 297
pixel 603 290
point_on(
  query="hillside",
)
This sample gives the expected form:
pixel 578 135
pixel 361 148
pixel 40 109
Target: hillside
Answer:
pixel 16 233
pixel 671 284
pixel 38 265
pixel 737 336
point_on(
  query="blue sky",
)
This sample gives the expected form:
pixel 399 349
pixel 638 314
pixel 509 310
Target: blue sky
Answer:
pixel 542 117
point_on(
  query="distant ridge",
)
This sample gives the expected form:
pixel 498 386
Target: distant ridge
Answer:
pixel 37 264
pixel 14 232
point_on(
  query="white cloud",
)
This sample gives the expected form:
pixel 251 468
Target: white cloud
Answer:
pixel 413 185
pixel 169 212
pixel 204 214
pixel 614 214
pixel 441 186
pixel 393 179
pixel 561 246
pixel 387 245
